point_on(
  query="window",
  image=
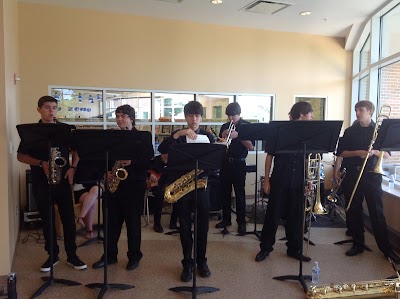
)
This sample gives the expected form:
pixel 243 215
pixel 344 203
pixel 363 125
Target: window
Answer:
pixel 140 101
pixel 318 104
pixel 255 108
pixel 389 95
pixel 214 106
pixel 363 89
pixel 365 54
pixel 78 104
pixel 169 106
pixel 390 28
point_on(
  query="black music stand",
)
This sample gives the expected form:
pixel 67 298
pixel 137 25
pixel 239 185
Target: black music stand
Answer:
pixel 83 176
pixel 108 145
pixel 255 131
pixel 200 156
pixel 40 137
pixel 303 137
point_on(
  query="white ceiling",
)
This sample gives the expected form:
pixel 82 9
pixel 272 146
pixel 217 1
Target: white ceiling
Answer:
pixel 338 18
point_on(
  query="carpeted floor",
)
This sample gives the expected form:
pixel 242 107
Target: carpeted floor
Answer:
pixel 230 258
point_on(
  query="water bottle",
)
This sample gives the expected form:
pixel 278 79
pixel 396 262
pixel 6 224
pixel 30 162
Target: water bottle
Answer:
pixel 391 182
pixel 12 286
pixel 315 273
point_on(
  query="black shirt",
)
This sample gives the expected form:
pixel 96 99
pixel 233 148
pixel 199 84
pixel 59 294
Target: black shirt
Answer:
pixel 137 170
pixel 40 151
pixel 357 137
pixel 236 148
pixel 165 145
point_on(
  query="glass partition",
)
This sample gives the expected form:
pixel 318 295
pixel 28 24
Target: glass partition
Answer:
pixel 214 106
pixel 79 104
pixel 255 108
pixel 168 107
pixel 141 101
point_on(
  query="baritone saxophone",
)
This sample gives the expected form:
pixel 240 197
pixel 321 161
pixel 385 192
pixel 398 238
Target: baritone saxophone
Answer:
pixel 389 288
pixel 183 186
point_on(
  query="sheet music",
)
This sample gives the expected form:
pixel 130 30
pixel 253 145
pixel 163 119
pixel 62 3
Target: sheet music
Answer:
pixel 199 139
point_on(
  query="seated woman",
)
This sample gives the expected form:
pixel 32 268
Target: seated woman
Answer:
pixel 88 173
pixel 88 198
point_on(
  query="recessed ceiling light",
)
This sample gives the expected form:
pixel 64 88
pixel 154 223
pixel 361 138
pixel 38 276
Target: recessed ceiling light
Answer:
pixel 216 1
pixel 305 13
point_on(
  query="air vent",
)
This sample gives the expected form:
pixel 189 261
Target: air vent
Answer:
pixel 174 1
pixel 265 7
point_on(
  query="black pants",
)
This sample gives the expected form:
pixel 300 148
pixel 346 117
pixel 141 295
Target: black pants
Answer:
pixel 233 173
pixel 126 205
pixel 369 188
pixel 61 194
pixel 158 193
pixel 283 203
pixel 185 207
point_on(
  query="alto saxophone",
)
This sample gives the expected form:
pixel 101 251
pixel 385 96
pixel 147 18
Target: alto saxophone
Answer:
pixel 118 174
pixel 57 162
pixel 183 186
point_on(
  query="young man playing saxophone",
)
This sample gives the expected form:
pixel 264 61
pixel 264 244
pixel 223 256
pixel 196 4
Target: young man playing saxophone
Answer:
pixel 61 193
pixel 126 204
pixel 193 115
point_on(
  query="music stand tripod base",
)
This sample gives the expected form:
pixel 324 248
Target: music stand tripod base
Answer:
pixel 351 241
pixel 195 290
pixel 300 278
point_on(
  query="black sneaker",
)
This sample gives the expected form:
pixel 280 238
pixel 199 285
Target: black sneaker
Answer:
pixel 46 266
pixel 76 263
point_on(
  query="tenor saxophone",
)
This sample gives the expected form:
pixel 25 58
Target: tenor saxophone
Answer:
pixel 118 174
pixel 183 186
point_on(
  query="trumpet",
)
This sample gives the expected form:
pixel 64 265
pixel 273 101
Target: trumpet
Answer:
pixel 227 141
pixel 378 168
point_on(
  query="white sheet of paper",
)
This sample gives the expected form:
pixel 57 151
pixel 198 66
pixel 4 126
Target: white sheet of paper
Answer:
pixel 199 139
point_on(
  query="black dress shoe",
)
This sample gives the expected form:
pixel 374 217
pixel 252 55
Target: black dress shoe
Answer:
pixel 100 263
pixel 173 226
pixel 298 256
pixel 222 224
pixel 393 256
pixel 132 264
pixel 355 250
pixel 203 270
pixel 158 228
pixel 187 274
pixel 242 229
pixel 262 255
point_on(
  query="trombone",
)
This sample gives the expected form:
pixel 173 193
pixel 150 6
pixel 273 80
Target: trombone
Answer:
pixel 378 168
pixel 313 176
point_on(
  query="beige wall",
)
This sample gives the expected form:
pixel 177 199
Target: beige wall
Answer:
pixel 63 46
pixel 9 112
